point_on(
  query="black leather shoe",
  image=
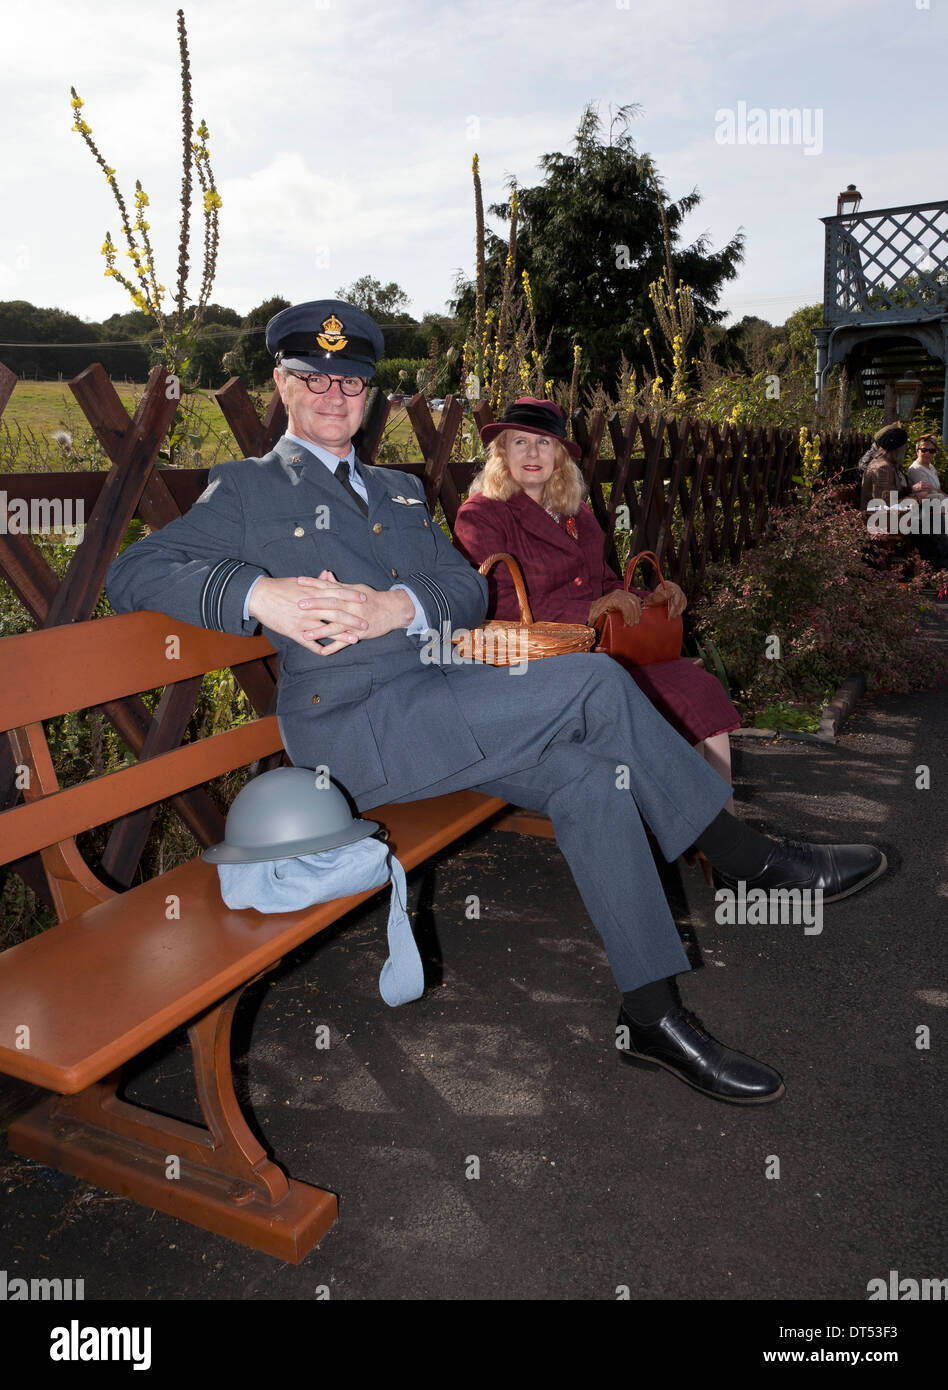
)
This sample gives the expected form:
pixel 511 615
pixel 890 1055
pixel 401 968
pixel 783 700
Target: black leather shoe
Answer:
pixel 837 870
pixel 679 1043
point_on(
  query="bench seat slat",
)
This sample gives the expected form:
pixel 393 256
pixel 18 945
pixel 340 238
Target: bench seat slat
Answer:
pixel 98 989
pixel 59 669
pixel 65 813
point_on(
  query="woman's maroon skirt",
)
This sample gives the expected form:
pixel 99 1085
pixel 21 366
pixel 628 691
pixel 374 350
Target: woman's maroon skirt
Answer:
pixel 692 700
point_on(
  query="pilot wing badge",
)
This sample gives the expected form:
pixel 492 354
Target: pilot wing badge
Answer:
pixel 409 501
pixel 331 339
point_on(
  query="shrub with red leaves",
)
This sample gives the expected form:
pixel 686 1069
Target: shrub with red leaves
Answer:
pixel 813 586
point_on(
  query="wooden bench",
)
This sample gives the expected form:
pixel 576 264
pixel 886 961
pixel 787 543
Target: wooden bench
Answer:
pixel 121 970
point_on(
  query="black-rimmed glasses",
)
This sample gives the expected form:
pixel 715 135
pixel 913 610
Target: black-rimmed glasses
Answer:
pixel 319 382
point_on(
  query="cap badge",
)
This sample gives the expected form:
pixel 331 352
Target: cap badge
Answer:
pixel 331 338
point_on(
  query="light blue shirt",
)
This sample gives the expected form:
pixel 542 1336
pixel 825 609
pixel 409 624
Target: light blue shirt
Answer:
pixel 419 622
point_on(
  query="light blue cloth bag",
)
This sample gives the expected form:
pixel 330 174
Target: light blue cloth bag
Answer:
pixel 285 885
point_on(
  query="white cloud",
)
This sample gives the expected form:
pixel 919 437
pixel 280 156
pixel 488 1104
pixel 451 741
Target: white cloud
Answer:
pixel 346 127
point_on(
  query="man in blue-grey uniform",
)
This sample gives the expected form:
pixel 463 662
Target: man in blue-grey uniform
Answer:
pixel 345 570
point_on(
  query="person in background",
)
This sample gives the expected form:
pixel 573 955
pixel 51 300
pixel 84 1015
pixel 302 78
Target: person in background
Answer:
pixel 884 475
pixel 922 477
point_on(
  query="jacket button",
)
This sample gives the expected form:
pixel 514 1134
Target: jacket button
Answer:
pixel 394 574
pixel 425 524
pixel 577 580
pixel 315 700
pixel 377 528
pixel 299 531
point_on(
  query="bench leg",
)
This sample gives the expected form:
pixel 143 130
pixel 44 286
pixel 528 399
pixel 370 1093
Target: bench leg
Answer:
pixel 217 1177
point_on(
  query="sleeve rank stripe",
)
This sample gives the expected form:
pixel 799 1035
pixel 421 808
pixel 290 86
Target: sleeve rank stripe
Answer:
pixel 437 593
pixel 212 595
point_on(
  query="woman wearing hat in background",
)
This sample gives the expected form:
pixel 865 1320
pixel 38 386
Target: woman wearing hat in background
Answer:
pixel 884 474
pixel 527 501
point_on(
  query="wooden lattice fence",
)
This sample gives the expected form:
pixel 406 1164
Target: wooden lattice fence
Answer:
pixel 692 493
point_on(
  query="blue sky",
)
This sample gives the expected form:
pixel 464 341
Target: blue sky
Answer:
pixel 342 130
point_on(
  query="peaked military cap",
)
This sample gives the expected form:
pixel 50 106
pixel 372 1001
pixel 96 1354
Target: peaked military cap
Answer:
pixel 326 335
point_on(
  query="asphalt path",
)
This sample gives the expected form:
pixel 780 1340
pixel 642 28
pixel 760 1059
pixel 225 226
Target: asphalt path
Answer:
pixel 488 1144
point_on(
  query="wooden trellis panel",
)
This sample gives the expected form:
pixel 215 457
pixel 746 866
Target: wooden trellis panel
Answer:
pixel 8 380
pixel 131 487
pixel 694 493
pixel 436 444
pixel 255 436
pixel 589 436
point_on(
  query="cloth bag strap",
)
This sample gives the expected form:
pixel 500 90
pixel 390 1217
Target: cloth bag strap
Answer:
pixel 403 976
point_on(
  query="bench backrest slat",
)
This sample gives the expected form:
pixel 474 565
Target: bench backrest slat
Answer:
pixel 59 669
pixel 66 813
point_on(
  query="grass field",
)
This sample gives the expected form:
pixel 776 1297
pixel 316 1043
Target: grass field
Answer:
pixel 39 410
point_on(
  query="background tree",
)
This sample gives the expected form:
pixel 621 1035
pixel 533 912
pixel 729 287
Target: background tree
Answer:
pixel 387 304
pixel 48 343
pixel 133 342
pixel 590 236
pixel 381 301
pixel 411 344
pixel 799 329
pixel 216 337
pixel 249 357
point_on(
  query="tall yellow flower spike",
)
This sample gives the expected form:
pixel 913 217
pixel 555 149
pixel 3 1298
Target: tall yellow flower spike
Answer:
pixel 179 327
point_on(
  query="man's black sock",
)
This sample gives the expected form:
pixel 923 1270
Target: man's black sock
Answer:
pixel 734 848
pixel 650 1003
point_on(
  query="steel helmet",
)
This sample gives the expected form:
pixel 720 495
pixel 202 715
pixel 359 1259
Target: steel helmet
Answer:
pixel 284 814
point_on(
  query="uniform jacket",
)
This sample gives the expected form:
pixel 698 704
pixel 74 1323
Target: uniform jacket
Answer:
pixel 563 575
pixel 374 712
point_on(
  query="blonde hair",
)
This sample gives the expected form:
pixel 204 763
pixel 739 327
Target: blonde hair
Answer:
pixel 564 489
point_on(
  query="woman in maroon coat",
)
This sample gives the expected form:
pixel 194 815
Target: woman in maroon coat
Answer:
pixel 527 501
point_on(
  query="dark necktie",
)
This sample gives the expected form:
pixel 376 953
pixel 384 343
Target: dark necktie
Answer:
pixel 342 473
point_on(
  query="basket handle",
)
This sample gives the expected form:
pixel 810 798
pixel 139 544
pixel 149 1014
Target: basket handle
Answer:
pixel 525 615
pixel 643 555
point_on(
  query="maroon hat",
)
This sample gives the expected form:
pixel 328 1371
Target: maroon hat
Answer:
pixel 531 416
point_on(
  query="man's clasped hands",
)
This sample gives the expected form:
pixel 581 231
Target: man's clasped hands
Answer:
pixel 344 613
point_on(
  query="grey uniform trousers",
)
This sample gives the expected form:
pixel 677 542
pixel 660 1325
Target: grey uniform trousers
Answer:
pixel 575 738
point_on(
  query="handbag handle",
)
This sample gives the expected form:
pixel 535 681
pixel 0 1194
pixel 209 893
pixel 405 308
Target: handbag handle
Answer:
pixel 643 555
pixel 526 616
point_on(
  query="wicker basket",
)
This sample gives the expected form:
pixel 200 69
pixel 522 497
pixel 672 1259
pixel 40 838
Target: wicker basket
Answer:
pixel 500 643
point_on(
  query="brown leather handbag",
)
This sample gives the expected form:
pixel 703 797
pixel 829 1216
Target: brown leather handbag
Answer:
pixel 502 643
pixel 657 637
